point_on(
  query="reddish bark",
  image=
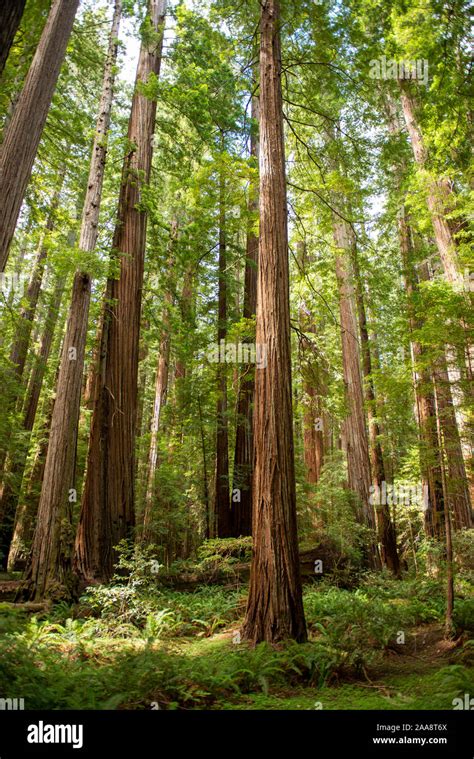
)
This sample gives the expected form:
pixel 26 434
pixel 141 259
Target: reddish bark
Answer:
pixel 275 606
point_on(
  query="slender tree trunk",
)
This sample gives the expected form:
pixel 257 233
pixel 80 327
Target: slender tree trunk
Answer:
pixel 51 562
pixel 23 134
pixel 314 425
pixel 430 460
pixel 12 541
pixel 439 199
pixel 457 496
pixel 425 402
pixel 438 191
pixel 27 510
pixel 21 535
pixel 356 439
pixel 9 395
pixel 449 628
pixel 275 605
pixel 11 12
pixel 313 428
pixel 449 625
pixel 243 457
pixel 385 527
pixel 205 479
pixel 222 500
pixel 313 421
pixel 187 319
pixel 161 390
pixel 108 510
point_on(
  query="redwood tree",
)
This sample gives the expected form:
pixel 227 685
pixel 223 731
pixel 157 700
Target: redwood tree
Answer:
pixel 275 604
pixel 23 133
pixel 11 12
pixel 355 429
pixel 50 560
pixel 108 509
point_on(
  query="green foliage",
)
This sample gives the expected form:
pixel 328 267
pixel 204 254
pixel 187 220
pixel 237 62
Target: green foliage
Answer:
pixel 236 549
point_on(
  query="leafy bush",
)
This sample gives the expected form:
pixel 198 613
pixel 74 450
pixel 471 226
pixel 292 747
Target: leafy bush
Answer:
pixel 235 548
pixel 168 612
pixel 463 615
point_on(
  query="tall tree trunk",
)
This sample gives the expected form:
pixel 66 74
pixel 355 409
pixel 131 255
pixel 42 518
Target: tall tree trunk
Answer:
pixel 385 527
pixel 241 510
pixel 108 510
pixel 222 500
pixel 9 395
pixel 11 12
pixel 205 478
pixel 439 200
pixel 27 510
pixel 16 461
pixel 275 605
pixel 457 489
pixel 21 535
pixel 449 627
pixel 438 190
pixel 425 402
pixel 314 426
pixel 161 389
pixel 356 439
pixel 430 459
pixel 51 562
pixel 23 134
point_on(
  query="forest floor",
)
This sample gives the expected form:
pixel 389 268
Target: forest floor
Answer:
pixel 136 644
pixel 406 680
pixel 401 681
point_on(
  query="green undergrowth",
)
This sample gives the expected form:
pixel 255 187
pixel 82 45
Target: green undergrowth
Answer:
pixel 129 645
pixel 220 675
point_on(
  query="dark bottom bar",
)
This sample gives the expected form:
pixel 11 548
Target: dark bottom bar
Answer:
pixel 147 734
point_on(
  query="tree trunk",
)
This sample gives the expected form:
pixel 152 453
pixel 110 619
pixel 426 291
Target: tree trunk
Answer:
pixel 161 389
pixel 275 605
pixel 313 428
pixel 27 511
pixel 437 190
pixel 23 134
pixel 430 459
pixel 385 527
pixel 10 393
pixel 456 483
pixel 222 501
pixel 356 439
pixel 12 539
pixel 107 511
pixel 425 402
pixel 241 510
pixel 51 561
pixel 449 628
pixel 11 12
pixel 314 425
